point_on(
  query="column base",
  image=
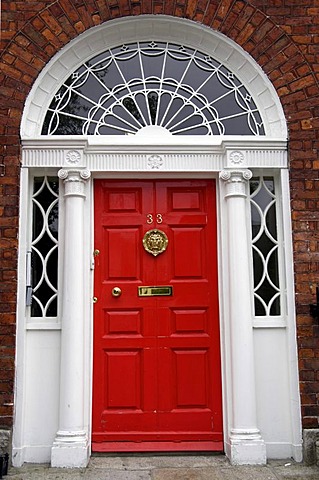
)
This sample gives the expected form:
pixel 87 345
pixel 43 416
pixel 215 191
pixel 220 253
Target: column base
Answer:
pixel 70 450
pixel 246 447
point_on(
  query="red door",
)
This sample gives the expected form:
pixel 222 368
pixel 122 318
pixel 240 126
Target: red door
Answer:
pixel 157 380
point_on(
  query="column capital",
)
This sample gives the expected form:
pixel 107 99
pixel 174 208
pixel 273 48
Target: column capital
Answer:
pixel 236 181
pixel 74 181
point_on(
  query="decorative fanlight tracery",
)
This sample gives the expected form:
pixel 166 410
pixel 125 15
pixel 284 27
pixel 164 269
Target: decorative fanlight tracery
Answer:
pixel 130 87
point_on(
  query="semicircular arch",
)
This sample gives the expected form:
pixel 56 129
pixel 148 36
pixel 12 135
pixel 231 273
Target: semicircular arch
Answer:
pixel 145 29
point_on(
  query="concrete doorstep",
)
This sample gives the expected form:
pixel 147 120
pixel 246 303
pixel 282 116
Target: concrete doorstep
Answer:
pixel 167 467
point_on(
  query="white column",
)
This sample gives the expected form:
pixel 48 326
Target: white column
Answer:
pixel 71 447
pixel 245 442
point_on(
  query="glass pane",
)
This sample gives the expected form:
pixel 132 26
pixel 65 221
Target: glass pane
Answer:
pixel 264 245
pixel 271 221
pixel 53 219
pixel 266 291
pixel 275 307
pixel 254 184
pixel 256 220
pixel 259 308
pixel 38 221
pixel 35 309
pixel 44 243
pixel 37 268
pixel 52 308
pixel 269 184
pixel 153 105
pixel 43 294
pixel 263 197
pixel 273 271
pixel 258 267
pixel 52 271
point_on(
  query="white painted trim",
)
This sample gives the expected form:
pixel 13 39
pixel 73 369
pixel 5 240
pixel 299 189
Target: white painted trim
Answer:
pixel 145 28
pixel 291 320
pixel 270 322
pixel 34 454
pixel 43 324
pixel 297 451
pixel 223 267
pixel 277 450
pixel 19 392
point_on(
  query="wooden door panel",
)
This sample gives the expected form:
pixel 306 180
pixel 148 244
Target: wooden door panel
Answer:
pixel 156 358
pixel 190 367
pixel 121 201
pixel 128 264
pixel 188 321
pixel 130 393
pixel 188 252
pixel 184 375
pixel 121 322
pixel 185 197
pixel 122 196
pixel 179 201
pixel 121 395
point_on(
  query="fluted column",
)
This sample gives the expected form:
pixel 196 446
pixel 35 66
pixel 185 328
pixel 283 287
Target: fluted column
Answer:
pixel 246 444
pixel 70 448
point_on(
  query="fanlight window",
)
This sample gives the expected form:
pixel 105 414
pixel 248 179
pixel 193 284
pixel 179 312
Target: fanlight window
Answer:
pixel 130 87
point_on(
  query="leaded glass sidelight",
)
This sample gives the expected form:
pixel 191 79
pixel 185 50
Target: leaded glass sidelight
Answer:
pixel 133 86
pixel 44 246
pixel 265 246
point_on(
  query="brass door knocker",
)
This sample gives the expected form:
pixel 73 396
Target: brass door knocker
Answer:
pixel 155 241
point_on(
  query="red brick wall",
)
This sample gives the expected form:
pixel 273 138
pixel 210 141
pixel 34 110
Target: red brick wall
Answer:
pixel 283 38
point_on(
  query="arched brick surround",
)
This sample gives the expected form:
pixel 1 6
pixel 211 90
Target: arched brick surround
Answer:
pixel 283 40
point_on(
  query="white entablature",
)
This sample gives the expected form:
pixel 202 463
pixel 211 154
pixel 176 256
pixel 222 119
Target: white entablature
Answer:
pixel 123 154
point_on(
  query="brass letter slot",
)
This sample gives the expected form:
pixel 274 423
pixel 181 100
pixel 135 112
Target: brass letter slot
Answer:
pixel 155 291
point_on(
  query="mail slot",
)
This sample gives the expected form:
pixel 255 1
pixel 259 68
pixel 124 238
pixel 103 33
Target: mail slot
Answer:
pixel 155 291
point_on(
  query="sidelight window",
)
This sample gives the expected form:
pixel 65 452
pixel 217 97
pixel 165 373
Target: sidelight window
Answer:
pixel 265 246
pixel 44 246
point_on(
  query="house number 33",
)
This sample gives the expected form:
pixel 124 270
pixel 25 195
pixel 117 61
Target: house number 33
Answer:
pixel 150 218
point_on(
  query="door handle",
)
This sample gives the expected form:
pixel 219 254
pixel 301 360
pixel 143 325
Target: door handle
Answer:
pixel 116 292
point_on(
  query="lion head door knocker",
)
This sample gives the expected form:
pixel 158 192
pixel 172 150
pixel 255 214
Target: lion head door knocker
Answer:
pixel 155 241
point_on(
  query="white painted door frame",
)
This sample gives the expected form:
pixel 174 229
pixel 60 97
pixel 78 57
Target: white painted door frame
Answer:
pixel 230 160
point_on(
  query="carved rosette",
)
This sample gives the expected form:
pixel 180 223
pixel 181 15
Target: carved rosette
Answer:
pixel 73 157
pixel 155 162
pixel 74 181
pixel 236 159
pixel 236 181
